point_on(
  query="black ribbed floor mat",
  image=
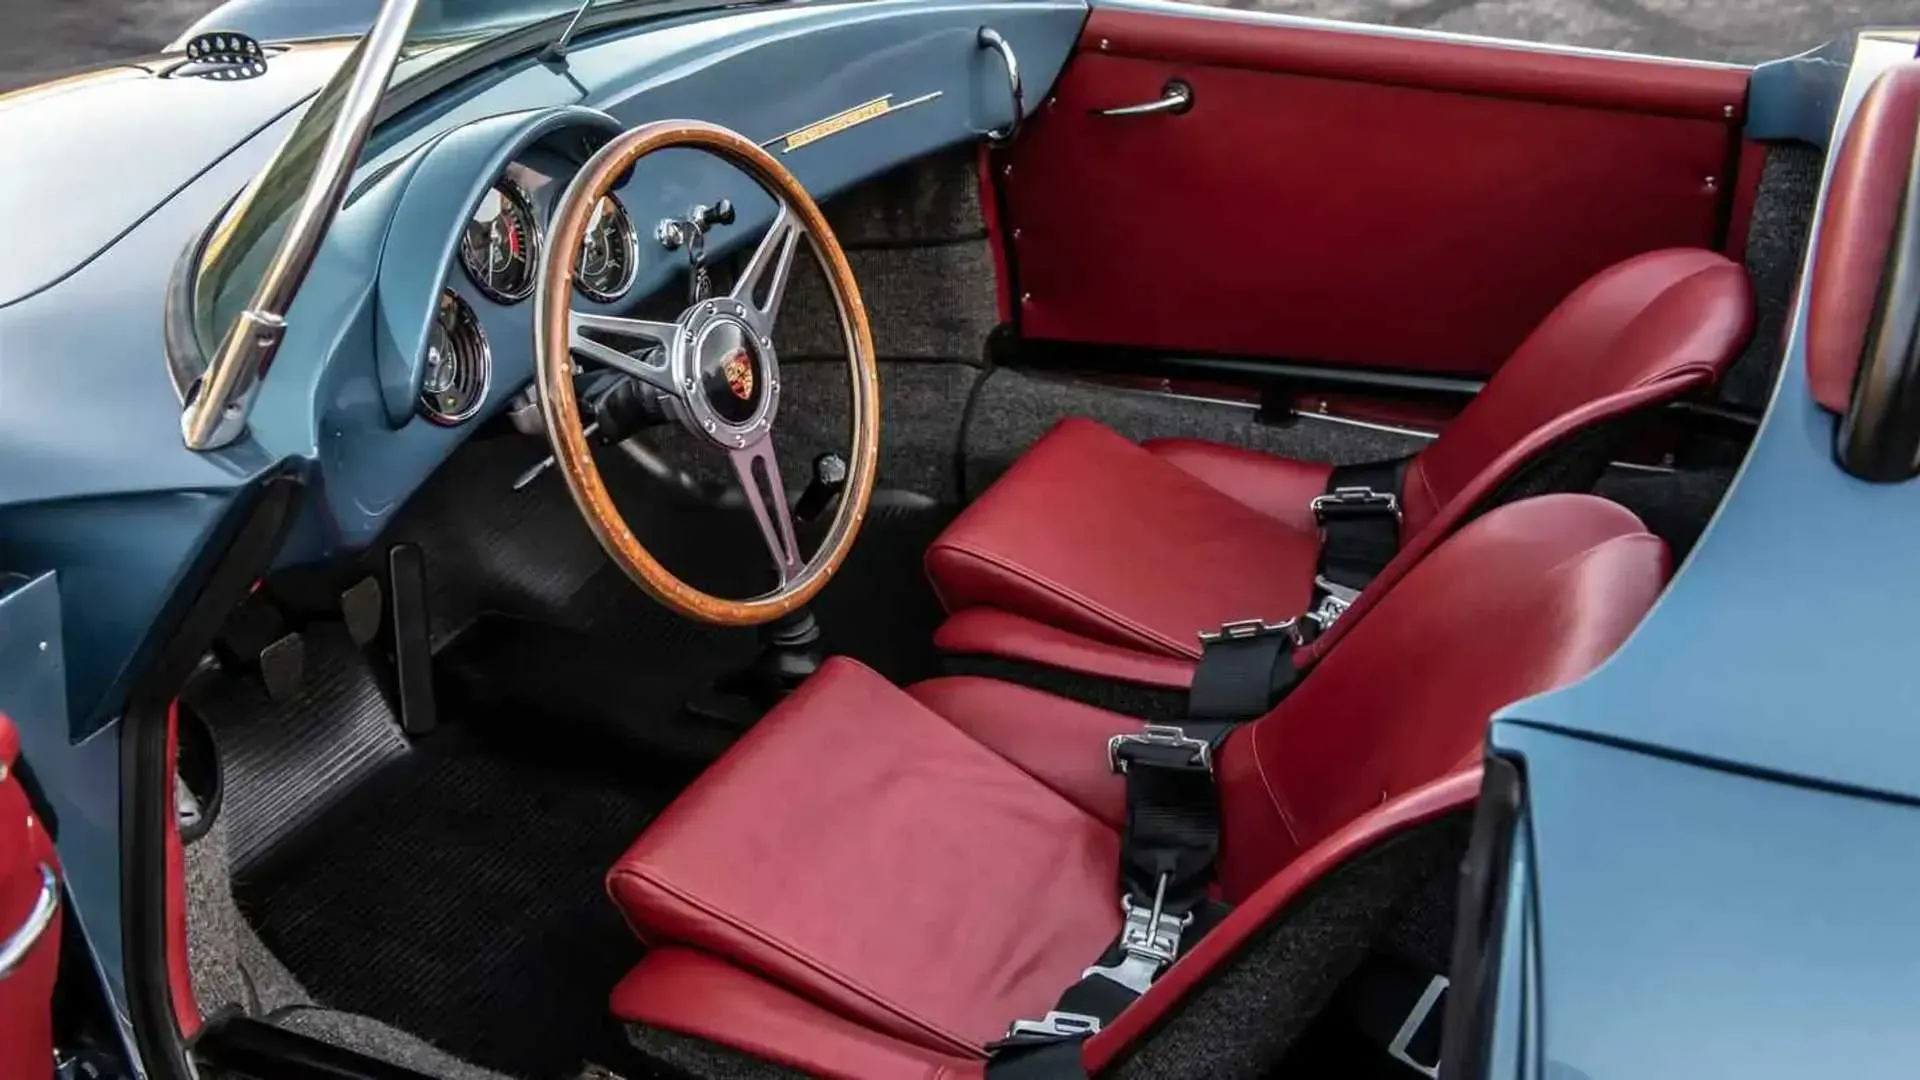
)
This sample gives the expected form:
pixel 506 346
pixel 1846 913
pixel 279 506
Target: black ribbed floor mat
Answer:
pixel 457 894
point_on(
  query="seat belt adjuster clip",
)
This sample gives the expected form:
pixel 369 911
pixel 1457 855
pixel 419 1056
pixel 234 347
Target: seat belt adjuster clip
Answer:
pixel 1245 629
pixel 1055 1025
pixel 1163 737
pixel 1354 502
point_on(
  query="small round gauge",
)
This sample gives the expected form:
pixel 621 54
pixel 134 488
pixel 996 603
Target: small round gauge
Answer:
pixel 610 253
pixel 501 245
pixel 459 363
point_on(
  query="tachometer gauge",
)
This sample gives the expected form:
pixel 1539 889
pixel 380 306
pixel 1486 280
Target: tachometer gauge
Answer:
pixel 609 255
pixel 459 364
pixel 501 247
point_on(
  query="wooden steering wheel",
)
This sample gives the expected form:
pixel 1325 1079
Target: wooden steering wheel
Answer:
pixel 714 368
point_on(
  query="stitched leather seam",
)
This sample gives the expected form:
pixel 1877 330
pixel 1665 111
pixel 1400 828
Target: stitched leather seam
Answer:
pixel 1152 639
pixel 643 877
pixel 1273 792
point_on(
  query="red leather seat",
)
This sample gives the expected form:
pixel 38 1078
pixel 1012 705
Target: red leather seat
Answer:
pixel 1097 555
pixel 875 881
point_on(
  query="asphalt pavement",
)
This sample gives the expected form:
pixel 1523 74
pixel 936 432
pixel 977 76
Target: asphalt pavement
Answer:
pixel 40 38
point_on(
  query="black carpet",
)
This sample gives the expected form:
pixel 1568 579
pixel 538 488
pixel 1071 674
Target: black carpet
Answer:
pixel 457 894
pixel 616 670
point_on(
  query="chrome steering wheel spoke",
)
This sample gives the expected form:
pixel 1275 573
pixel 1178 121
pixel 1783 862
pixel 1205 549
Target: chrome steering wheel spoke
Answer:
pixel 652 366
pixel 770 509
pixel 764 280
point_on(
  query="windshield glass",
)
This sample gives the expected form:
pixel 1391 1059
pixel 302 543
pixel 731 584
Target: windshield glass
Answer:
pixel 251 232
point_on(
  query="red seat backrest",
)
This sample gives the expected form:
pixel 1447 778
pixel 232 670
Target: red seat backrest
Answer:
pixel 1527 598
pixel 1680 314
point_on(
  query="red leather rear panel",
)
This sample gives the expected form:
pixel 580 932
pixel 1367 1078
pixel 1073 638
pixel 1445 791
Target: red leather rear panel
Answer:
pixel 1348 197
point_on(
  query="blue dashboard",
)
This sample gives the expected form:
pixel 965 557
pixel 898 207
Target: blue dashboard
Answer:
pixel 764 72
pixel 340 404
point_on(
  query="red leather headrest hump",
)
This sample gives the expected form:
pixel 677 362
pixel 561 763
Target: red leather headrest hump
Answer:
pixel 1856 230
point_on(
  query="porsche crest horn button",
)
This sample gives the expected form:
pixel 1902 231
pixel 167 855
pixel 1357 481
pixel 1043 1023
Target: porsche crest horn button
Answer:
pixel 730 372
pixel 738 371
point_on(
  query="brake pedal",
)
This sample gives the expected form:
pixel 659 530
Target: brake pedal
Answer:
pixel 360 609
pixel 282 665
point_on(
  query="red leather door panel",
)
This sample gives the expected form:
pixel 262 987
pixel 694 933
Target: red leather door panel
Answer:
pixel 1350 197
pixel 29 926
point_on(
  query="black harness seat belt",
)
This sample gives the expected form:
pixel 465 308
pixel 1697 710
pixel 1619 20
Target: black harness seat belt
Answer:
pixel 1245 668
pixel 1167 862
pixel 1359 519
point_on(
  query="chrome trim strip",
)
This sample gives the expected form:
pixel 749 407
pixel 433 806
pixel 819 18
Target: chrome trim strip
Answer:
pixel 852 116
pixel 1370 425
pixel 16 949
pixel 220 399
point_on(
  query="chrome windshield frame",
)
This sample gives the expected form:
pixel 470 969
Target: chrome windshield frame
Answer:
pixel 220 400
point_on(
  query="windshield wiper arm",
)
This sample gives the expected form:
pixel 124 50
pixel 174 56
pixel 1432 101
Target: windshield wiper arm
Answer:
pixel 557 52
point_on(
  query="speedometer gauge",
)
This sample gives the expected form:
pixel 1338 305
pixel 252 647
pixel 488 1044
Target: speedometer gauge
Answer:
pixel 609 254
pixel 501 245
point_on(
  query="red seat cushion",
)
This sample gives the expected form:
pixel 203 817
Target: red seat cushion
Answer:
pixel 1278 487
pixel 1090 533
pixel 928 865
pixel 857 848
pixel 1116 549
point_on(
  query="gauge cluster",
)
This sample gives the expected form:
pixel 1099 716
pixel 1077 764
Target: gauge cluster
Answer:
pixel 500 249
pixel 499 255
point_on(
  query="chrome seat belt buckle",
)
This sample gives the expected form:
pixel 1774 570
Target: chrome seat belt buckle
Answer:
pixel 1160 735
pixel 1244 629
pixel 1354 500
pixel 1055 1025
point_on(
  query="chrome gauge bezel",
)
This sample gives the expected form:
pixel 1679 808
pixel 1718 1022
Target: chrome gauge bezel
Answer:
pixel 633 260
pixel 510 190
pixel 463 313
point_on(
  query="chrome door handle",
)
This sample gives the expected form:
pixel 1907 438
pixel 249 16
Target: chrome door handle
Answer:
pixel 14 951
pixel 1175 97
